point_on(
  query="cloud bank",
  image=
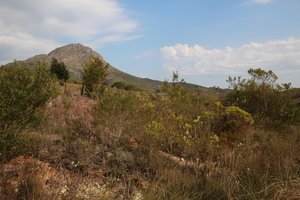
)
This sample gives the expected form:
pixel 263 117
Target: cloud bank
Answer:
pixel 279 55
pixel 35 26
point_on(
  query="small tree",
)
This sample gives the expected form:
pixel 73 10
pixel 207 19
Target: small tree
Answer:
pixel 60 70
pixel 93 77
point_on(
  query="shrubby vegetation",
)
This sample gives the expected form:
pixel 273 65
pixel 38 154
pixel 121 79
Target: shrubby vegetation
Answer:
pixel 261 96
pixel 123 86
pixel 93 77
pixel 209 150
pixel 24 92
pixel 175 143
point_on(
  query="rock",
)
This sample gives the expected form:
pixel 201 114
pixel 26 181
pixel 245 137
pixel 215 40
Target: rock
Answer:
pixel 137 196
pixel 133 143
pixel 109 155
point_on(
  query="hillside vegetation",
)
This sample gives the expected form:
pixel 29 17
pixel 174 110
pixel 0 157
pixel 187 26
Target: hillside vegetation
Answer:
pixel 118 143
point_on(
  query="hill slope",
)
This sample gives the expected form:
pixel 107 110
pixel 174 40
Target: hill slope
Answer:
pixel 76 55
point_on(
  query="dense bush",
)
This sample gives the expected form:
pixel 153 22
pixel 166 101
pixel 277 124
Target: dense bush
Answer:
pixel 119 85
pixel 93 77
pixel 263 98
pixel 24 92
pixel 231 120
pixel 124 86
pixel 236 119
pixel 12 144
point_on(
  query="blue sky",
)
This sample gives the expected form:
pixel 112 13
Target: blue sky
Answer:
pixel 204 40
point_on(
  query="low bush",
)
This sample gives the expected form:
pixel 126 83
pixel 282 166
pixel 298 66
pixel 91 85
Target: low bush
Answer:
pixel 231 120
pixel 267 101
pixel 12 144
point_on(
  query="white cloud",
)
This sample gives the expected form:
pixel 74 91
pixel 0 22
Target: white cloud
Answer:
pixel 279 55
pixel 21 45
pixel 37 26
pixel 259 1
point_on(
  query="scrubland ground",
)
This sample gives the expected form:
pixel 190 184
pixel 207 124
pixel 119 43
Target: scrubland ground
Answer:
pixel 136 145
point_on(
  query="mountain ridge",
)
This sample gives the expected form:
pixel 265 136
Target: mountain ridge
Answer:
pixel 75 56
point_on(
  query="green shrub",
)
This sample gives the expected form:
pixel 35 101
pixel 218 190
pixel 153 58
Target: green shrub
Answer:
pixel 119 101
pixel 24 92
pixel 131 87
pixel 12 144
pixel 93 77
pixel 263 98
pixel 119 85
pixel 236 118
pixel 123 86
pixel 231 120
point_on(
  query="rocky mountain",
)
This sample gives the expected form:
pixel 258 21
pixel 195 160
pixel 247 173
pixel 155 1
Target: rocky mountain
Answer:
pixel 76 55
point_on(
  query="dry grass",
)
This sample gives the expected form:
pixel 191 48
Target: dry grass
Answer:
pixel 118 137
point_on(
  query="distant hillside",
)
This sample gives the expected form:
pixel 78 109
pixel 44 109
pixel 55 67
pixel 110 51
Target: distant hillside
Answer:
pixel 76 55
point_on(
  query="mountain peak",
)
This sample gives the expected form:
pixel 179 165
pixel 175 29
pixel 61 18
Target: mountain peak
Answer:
pixel 73 49
pixel 76 55
pixel 73 46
